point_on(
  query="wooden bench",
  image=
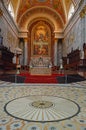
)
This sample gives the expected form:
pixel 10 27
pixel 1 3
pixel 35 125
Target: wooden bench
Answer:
pixel 73 66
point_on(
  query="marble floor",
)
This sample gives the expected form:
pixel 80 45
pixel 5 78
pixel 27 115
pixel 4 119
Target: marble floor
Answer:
pixel 68 115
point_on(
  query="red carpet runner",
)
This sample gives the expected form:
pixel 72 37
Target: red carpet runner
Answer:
pixel 40 78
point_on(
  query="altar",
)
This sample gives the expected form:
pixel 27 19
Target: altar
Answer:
pixel 40 66
pixel 40 71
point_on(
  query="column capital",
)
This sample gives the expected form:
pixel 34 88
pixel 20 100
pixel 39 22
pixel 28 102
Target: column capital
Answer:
pixel 83 12
pixel 25 40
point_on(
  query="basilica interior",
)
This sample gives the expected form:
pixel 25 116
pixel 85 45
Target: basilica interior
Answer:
pixel 42 34
pixel 43 65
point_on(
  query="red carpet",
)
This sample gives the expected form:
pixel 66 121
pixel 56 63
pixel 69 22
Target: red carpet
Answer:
pixel 40 78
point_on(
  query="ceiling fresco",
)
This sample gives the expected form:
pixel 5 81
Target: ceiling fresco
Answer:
pixel 26 10
pixel 35 14
pixel 56 5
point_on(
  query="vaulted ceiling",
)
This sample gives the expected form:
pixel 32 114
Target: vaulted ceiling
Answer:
pixel 54 11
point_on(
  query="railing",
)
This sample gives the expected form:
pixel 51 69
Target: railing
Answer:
pixel 70 78
pixel 63 79
pixel 12 78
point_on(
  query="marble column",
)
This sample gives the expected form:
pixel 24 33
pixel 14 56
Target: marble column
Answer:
pixel 25 52
pixel 55 52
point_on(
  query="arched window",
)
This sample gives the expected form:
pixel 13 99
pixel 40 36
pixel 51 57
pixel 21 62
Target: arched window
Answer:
pixel 10 9
pixel 71 11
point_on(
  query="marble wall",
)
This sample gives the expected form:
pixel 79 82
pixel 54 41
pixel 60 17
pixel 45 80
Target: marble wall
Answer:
pixel 73 38
pixel 9 31
pixel 74 33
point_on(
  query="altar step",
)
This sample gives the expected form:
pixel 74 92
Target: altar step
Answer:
pixel 41 80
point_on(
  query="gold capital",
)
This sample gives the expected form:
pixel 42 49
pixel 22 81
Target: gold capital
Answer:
pixel 83 12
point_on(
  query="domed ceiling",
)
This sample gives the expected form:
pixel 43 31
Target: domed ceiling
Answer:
pixel 54 11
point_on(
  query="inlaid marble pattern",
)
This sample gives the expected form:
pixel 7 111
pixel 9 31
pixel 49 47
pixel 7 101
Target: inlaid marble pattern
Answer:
pixel 42 108
pixel 75 92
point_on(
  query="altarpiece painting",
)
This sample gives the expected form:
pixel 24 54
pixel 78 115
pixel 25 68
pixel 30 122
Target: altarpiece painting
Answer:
pixel 40 62
pixel 41 40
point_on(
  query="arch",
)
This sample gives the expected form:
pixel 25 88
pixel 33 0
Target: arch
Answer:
pixel 40 19
pixel 44 12
pixel 17 8
pixel 47 43
pixel 10 9
pixel 71 11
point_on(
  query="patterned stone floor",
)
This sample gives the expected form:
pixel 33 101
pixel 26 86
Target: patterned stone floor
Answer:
pixel 75 92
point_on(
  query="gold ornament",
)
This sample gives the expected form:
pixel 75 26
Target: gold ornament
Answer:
pixel 83 12
pixel 1 13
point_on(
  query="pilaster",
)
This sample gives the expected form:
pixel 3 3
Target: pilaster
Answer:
pixel 83 24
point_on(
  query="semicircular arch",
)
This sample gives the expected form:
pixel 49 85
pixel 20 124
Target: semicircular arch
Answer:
pixel 44 13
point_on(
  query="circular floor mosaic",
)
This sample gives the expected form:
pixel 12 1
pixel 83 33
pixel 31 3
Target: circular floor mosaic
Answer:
pixel 42 108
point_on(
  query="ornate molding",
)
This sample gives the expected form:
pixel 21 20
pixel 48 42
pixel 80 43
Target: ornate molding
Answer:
pixel 81 2
pixel 1 13
pixel 83 12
